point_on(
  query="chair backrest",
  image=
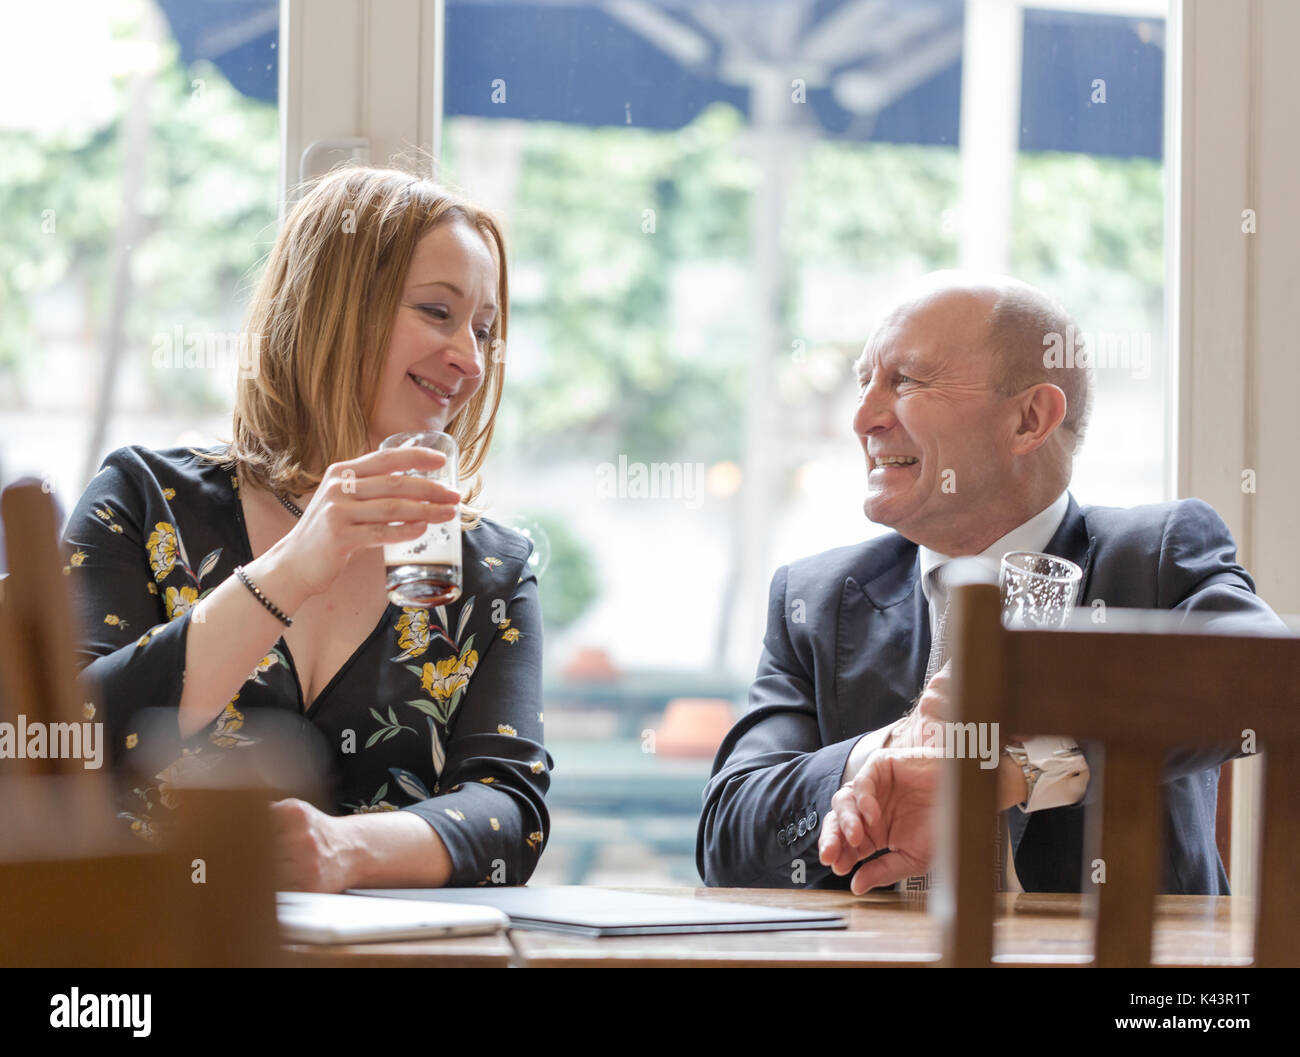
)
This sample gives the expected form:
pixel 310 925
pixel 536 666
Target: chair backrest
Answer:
pixel 36 624
pixel 77 889
pixel 1139 684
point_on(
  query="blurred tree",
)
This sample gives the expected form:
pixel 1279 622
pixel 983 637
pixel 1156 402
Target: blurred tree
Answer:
pixel 209 203
pixel 611 227
pixel 568 584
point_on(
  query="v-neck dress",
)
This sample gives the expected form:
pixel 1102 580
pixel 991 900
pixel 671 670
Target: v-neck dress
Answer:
pixel 438 712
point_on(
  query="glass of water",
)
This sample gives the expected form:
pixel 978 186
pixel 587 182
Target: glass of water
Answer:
pixel 426 572
pixel 1037 589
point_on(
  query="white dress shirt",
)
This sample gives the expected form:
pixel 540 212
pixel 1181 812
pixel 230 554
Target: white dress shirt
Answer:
pixel 1065 770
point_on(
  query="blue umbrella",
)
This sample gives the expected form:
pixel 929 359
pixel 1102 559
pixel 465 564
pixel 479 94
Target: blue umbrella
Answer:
pixel 878 70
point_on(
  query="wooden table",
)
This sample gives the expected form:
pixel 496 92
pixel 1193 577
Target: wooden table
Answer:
pixel 467 952
pixel 884 930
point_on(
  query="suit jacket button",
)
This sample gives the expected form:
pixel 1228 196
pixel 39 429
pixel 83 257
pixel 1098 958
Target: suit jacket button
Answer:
pixel 812 819
pixel 780 837
pixel 790 833
pixel 803 826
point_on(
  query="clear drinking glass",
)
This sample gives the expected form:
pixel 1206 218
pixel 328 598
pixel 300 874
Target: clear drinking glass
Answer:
pixel 1037 589
pixel 426 571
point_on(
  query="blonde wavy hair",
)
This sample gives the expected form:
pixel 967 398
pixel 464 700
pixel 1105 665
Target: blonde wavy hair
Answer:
pixel 324 311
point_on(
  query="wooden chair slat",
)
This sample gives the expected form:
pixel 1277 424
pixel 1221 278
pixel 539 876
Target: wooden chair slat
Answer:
pixel 1145 683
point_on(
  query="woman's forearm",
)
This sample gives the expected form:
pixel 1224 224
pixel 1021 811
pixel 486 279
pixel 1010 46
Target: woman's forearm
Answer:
pixel 230 632
pixel 393 849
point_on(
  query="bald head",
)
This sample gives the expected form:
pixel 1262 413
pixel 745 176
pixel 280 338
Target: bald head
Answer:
pixel 1018 322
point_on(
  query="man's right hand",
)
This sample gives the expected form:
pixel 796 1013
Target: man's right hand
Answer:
pixel 888 805
pixel 844 841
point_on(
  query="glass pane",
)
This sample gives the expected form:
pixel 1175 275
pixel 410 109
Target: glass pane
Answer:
pixel 141 149
pixel 709 207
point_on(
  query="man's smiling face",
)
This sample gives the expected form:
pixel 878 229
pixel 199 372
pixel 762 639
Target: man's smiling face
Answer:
pixel 936 433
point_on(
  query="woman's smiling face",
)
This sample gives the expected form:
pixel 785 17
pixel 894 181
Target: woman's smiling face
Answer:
pixel 436 355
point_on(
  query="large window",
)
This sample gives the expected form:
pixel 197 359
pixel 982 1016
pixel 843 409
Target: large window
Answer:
pixel 141 156
pixel 709 206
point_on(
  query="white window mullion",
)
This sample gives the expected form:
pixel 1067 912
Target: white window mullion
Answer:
pixel 358 78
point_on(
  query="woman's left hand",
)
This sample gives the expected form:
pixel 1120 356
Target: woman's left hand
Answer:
pixel 311 852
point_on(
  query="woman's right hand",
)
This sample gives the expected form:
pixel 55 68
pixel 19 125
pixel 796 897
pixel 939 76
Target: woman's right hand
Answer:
pixel 352 508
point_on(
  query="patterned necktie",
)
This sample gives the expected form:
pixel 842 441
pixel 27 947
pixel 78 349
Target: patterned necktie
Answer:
pixel 938 655
pixel 938 658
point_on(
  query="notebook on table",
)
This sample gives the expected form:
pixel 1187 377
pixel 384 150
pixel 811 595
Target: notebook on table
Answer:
pixel 585 911
pixel 317 917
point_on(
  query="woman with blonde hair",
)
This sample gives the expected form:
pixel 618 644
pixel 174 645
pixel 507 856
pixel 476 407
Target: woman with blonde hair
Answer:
pixel 222 583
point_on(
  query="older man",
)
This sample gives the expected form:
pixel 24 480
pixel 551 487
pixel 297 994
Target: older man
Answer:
pixel 969 436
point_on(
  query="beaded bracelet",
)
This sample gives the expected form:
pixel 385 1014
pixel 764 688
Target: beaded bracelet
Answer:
pixel 276 611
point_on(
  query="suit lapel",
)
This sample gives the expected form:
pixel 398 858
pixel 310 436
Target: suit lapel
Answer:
pixel 1073 542
pixel 882 641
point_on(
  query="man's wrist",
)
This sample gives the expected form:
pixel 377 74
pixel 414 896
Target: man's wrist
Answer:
pixel 1013 789
pixel 861 752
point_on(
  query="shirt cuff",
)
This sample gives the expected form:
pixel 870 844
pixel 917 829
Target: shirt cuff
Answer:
pixel 1065 774
pixel 870 742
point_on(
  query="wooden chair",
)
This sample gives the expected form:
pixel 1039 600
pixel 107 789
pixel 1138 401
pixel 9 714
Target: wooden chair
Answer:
pixel 1140 684
pixel 77 889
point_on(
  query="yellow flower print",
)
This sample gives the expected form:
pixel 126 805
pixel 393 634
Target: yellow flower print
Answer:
pixel 495 823
pixel 265 664
pixel 132 740
pixel 413 632
pixel 88 709
pixel 506 729
pixel 504 624
pixel 510 635
pixel 148 635
pixel 536 766
pixel 492 563
pixel 186 770
pixel 169 494
pixel 226 735
pixel 78 559
pixel 177 601
pixel 234 482
pixel 368 809
pixel 487 781
pixel 114 621
pixel 162 549
pixel 142 827
pixel 105 513
pixel 534 839
pixel 459 816
pixel 443 679
pixel 153 587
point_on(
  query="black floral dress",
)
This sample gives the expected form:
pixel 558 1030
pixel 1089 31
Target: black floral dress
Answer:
pixel 438 711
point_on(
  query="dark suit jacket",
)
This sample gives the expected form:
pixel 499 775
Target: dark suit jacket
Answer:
pixel 845 651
